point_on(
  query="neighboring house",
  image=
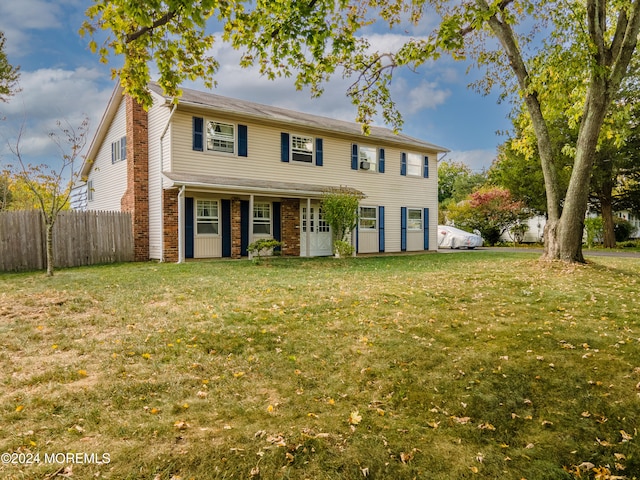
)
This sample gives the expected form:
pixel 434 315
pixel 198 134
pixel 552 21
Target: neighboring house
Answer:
pixel 633 220
pixel 206 177
pixel 78 197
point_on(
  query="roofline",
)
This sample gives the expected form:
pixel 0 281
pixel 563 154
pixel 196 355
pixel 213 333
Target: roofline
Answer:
pixel 103 128
pixel 406 140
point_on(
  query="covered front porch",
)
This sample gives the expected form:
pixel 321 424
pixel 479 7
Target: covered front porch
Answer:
pixel 213 217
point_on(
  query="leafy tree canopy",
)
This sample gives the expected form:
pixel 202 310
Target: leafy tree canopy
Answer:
pixel 8 73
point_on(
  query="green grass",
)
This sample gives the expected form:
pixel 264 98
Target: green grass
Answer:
pixel 474 365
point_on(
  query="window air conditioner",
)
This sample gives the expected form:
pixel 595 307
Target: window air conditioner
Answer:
pixel 365 165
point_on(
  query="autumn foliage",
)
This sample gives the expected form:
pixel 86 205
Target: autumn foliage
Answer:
pixel 490 210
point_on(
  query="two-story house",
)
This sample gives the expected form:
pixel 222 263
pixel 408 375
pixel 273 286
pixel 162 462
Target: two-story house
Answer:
pixel 206 177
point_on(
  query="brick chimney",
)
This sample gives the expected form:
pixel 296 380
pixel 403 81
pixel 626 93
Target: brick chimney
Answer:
pixel 136 198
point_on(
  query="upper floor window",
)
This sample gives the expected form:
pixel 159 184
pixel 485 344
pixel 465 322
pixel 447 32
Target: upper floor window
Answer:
pixel 414 164
pixel 220 137
pixel 207 217
pixel 301 149
pixel 214 136
pixel 119 150
pixel 90 191
pixel 368 158
pixel 368 218
pixel 261 218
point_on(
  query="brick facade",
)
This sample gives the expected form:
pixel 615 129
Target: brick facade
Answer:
pixel 170 230
pixel 291 227
pixel 236 240
pixel 136 197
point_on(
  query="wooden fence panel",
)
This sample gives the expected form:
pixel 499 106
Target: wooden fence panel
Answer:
pixel 79 238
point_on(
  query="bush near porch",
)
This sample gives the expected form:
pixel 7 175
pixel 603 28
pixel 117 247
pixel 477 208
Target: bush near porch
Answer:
pixel 475 365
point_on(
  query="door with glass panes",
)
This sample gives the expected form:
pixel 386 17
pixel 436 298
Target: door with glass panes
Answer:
pixel 316 230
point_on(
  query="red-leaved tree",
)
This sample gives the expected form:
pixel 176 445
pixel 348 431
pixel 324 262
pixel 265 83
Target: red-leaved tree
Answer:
pixel 490 210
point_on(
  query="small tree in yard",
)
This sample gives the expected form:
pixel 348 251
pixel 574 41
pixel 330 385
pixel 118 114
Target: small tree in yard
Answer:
pixel 51 188
pixel 491 211
pixel 340 211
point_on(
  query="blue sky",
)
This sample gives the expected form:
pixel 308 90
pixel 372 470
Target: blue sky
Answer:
pixel 62 80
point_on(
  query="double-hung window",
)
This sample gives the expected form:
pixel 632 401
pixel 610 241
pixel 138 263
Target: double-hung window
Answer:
pixel 207 217
pixel 221 137
pixel 261 218
pixel 368 158
pixel 414 218
pixel 414 164
pixel 119 150
pixel 301 149
pixel 368 218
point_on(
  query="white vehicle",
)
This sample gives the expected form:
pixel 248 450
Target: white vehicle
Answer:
pixel 452 237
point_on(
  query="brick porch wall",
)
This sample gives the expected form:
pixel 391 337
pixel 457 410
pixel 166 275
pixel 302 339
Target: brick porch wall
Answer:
pixel 291 227
pixel 170 228
pixel 236 248
pixel 136 197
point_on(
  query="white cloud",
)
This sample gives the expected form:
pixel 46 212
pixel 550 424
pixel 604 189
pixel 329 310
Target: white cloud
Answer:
pixel 48 96
pixel 477 160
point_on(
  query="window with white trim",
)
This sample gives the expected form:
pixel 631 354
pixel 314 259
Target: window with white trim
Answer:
pixel 207 217
pixel 221 137
pixel 368 156
pixel 414 218
pixel 301 149
pixel 414 164
pixel 261 218
pixel 368 218
pixel 119 150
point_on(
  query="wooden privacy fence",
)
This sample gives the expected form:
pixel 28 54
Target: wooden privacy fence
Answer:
pixel 79 238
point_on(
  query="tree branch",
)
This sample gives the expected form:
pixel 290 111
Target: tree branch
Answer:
pixel 166 18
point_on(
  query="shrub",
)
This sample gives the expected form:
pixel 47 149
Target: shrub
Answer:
pixel 622 229
pixel 340 211
pixel 594 230
pixel 263 247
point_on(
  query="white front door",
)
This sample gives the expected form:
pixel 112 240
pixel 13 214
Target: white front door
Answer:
pixel 313 227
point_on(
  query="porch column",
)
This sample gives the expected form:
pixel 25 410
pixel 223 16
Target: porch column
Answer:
pixel 308 233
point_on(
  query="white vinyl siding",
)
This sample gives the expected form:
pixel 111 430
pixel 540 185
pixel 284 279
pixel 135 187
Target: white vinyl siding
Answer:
pixel 109 180
pixel 264 163
pixel 158 118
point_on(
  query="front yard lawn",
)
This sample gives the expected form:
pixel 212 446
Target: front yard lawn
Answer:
pixel 474 365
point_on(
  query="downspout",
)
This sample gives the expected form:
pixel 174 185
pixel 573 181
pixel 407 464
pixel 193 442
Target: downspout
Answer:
pixel 164 132
pixel 181 224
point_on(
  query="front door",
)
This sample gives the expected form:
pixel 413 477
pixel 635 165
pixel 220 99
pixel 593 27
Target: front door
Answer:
pixel 313 227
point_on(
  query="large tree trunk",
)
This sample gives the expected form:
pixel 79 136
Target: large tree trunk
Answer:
pixel 607 220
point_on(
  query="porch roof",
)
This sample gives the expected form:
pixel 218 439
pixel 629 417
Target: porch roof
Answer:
pixel 251 186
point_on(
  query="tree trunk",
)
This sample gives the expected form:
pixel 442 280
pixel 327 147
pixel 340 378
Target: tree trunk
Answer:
pixel 49 241
pixel 607 220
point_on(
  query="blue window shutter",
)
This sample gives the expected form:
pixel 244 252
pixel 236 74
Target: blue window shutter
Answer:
pixel 426 167
pixel 425 226
pixel 381 229
pixel 319 159
pixel 243 146
pixel 123 148
pixel 403 164
pixel 381 160
pixel 198 133
pixel 354 157
pixel 403 229
pixel 284 147
pixel 277 222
